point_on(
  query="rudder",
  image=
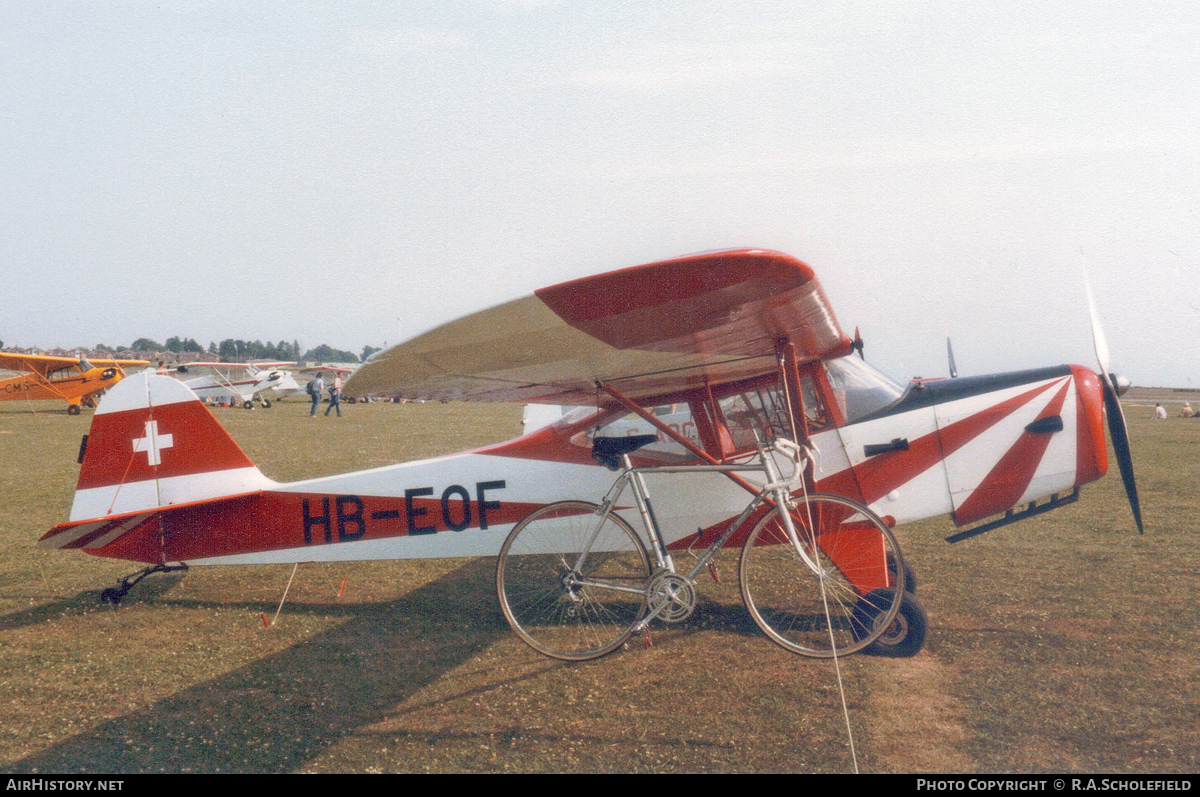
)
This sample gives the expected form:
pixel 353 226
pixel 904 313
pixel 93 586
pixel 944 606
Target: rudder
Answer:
pixel 154 444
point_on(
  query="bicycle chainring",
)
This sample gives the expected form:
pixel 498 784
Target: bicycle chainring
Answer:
pixel 671 597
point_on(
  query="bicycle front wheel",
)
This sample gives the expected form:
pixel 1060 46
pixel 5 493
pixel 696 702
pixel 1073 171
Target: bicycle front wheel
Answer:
pixel 565 603
pixel 845 606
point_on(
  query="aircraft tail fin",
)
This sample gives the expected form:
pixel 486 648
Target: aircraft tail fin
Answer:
pixel 153 444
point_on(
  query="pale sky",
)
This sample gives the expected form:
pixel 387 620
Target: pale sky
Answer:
pixel 351 172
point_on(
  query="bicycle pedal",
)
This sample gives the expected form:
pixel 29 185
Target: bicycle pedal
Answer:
pixel 712 571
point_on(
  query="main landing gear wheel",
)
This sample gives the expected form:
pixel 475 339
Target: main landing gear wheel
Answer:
pixel 72 409
pixel 266 403
pixel 788 600
pixel 910 575
pixel 562 607
pixel 247 405
pixel 112 596
pixel 905 634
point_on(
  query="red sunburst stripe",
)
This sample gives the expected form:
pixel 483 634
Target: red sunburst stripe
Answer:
pixel 1010 477
pixel 879 475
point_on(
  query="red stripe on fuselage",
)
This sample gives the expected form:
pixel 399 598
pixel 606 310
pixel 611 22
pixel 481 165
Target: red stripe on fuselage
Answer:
pixel 879 475
pixel 1010 478
pixel 273 521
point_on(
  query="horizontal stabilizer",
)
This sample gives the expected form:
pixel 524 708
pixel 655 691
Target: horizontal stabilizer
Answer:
pixel 100 532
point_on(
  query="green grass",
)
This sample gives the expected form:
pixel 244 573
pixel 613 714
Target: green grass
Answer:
pixel 1066 642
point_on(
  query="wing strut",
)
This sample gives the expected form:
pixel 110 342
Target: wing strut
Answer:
pixel 786 364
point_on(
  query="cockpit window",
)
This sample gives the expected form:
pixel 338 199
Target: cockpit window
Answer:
pixel 758 409
pixel 859 388
pixel 678 417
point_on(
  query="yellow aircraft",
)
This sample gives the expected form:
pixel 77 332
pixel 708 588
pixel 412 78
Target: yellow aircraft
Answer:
pixel 74 380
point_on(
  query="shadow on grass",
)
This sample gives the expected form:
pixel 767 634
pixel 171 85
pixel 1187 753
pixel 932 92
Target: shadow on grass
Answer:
pixel 86 603
pixel 284 710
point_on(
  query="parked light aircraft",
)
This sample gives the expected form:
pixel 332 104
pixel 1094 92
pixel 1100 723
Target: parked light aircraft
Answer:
pixel 75 380
pixel 727 348
pixel 242 383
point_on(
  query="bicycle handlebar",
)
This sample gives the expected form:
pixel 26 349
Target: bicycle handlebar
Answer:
pixel 799 455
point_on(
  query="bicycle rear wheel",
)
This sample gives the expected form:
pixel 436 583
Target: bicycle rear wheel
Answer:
pixel 845 607
pixel 563 606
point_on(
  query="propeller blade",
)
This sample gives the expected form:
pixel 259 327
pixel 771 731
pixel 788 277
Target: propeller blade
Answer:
pixel 1118 430
pixel 857 344
pixel 1098 341
pixel 950 354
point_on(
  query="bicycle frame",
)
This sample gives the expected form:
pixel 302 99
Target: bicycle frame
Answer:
pixel 775 488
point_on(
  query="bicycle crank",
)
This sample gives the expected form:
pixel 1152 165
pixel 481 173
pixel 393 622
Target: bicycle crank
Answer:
pixel 670 597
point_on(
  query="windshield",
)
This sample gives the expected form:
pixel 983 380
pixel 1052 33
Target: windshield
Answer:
pixel 861 389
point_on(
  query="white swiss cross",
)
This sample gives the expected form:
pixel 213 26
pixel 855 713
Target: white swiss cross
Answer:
pixel 153 443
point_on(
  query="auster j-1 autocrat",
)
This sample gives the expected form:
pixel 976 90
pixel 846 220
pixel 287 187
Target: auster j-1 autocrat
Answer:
pixel 75 380
pixel 726 371
pixel 240 383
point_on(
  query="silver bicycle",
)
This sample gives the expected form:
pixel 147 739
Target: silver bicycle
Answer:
pixel 821 575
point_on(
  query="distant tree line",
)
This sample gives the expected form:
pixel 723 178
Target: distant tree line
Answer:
pixel 232 350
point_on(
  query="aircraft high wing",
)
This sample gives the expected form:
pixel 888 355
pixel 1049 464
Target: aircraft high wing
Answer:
pixel 663 327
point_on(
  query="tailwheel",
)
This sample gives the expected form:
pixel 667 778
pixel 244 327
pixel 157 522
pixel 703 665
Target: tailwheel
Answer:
pixel 905 634
pixel 113 595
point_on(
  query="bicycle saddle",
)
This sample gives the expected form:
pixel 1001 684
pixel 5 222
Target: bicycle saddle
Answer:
pixel 609 450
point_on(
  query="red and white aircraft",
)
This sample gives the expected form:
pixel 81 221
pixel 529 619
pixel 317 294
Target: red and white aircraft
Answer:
pixel 708 350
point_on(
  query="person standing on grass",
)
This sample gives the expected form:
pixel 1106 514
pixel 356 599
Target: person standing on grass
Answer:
pixel 335 396
pixel 315 388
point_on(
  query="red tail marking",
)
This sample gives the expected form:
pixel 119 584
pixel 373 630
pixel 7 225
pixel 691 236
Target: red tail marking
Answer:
pixel 157 442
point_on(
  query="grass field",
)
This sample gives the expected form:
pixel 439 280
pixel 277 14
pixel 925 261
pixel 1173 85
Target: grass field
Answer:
pixel 1063 643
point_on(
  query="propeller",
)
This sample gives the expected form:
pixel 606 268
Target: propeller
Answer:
pixel 950 354
pixel 857 344
pixel 1117 429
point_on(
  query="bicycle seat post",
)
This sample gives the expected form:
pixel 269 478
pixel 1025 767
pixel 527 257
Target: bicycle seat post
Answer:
pixel 641 497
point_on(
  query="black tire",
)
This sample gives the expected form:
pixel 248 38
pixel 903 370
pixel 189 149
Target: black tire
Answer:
pixel 73 409
pixel 570 614
pixel 789 600
pixel 112 596
pixel 910 575
pixel 247 405
pixel 905 635
pixel 266 404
